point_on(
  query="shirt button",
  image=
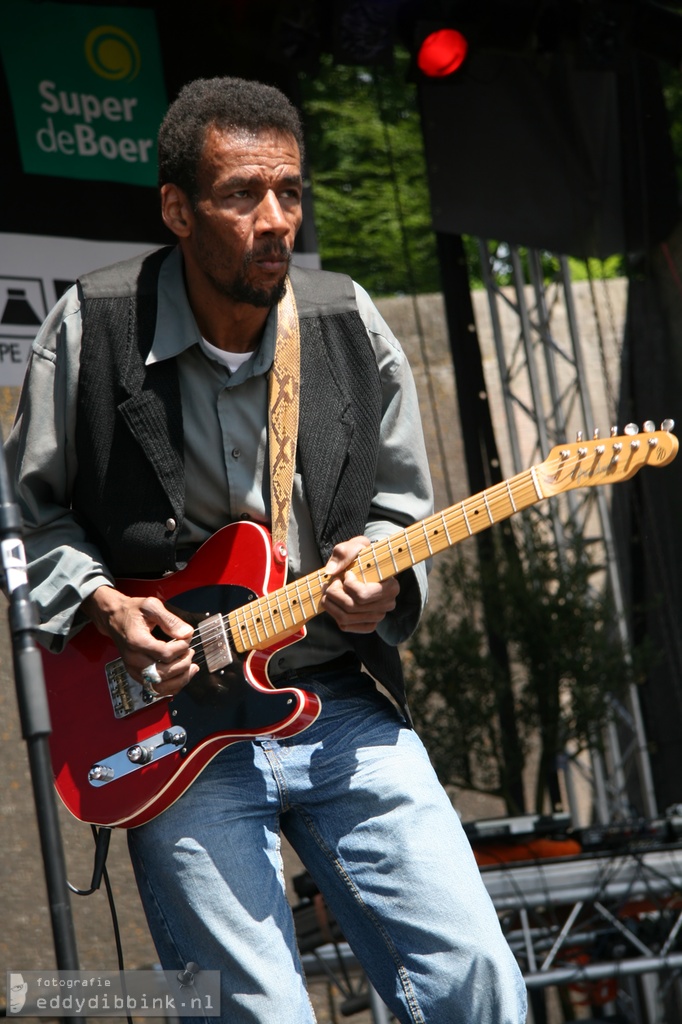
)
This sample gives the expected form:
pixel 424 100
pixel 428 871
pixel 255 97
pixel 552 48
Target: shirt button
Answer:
pixel 171 525
pixel 245 515
pixel 236 452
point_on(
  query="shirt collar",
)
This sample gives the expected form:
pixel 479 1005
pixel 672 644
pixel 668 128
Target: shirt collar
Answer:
pixel 176 329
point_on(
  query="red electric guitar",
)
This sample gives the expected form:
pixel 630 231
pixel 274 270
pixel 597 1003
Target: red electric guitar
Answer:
pixel 120 758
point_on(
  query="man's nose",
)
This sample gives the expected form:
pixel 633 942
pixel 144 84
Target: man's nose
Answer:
pixel 271 217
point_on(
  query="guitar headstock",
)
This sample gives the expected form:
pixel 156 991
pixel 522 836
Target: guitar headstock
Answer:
pixel 607 460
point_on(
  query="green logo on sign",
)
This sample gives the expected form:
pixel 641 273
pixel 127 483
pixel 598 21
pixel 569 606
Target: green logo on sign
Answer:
pixel 87 89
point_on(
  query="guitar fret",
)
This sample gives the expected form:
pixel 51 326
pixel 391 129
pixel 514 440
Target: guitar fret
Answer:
pixel 299 602
pixel 272 617
pixel 426 538
pixel 250 607
pixel 445 527
pixel 511 496
pixel 390 551
pixel 289 609
pixel 244 627
pixel 403 535
pixel 466 520
pixel 282 617
pixel 487 506
pixel 313 603
pixel 534 478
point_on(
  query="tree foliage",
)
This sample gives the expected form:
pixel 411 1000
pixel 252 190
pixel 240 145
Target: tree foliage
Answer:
pixel 567 665
pixel 368 174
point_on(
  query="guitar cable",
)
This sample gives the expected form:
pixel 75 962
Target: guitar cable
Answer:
pixel 102 836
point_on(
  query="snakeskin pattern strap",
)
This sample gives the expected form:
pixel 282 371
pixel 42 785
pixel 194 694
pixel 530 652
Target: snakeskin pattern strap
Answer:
pixel 283 396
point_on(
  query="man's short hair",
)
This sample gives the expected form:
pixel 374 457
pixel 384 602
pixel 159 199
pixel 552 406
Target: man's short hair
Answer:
pixel 223 103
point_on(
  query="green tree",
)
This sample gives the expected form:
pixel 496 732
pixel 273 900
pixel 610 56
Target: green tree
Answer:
pixel 567 665
pixel 366 161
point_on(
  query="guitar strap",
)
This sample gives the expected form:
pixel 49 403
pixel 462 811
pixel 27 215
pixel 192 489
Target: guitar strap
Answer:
pixel 283 399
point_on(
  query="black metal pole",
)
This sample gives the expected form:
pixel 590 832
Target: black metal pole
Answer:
pixel 35 721
pixel 483 465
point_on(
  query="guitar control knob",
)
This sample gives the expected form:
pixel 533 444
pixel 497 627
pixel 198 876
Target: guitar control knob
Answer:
pixel 176 736
pixel 139 754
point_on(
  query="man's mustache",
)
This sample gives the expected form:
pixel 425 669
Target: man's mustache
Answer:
pixel 276 251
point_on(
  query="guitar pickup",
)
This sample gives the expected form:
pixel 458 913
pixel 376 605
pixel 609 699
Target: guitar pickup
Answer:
pixel 215 642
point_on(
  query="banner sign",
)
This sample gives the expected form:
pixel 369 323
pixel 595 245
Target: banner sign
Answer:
pixel 87 89
pixel 34 272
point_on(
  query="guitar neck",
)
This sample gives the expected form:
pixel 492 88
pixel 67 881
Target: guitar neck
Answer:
pixel 255 626
pixel 259 623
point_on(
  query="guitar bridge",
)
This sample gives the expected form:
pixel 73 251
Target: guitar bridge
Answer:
pixel 127 695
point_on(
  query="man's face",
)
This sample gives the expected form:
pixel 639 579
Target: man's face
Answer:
pixel 247 215
pixel 17 992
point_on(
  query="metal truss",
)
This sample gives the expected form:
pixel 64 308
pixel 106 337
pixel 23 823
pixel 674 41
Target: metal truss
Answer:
pixel 596 925
pixel 545 392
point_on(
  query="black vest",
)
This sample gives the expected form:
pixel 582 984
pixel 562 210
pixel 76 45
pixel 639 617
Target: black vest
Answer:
pixel 129 490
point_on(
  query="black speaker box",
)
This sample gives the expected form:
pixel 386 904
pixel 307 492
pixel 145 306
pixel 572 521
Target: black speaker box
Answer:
pixel 533 150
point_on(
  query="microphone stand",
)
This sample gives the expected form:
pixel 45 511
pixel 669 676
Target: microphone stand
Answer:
pixel 35 721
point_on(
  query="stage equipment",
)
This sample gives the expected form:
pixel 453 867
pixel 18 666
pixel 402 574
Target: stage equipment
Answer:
pixel 543 153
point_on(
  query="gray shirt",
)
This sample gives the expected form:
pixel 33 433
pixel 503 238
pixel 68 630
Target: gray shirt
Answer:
pixel 226 463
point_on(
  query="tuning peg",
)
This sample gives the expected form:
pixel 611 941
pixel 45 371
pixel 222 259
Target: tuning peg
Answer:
pixel 614 431
pixel 648 426
pixel 668 425
pixel 631 428
pixel 595 434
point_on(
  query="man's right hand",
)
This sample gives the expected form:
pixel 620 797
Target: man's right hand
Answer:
pixel 129 622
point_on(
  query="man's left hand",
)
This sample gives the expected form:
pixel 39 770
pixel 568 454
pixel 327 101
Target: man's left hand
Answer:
pixel 355 606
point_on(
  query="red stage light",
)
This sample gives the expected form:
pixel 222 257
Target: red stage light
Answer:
pixel 442 52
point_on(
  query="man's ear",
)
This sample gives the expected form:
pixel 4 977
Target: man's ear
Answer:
pixel 176 210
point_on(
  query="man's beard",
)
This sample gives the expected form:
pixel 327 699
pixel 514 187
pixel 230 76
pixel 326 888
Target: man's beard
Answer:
pixel 239 289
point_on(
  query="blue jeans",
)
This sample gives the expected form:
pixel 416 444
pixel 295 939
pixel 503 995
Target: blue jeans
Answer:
pixel 358 800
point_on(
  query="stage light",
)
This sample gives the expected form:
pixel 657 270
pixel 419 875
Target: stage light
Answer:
pixel 442 52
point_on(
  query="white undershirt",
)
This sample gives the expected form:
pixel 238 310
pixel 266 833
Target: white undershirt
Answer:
pixel 232 360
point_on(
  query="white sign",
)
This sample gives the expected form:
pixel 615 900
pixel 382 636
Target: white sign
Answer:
pixel 35 271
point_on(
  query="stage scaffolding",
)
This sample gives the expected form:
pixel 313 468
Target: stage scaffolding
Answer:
pixel 604 925
pixel 545 388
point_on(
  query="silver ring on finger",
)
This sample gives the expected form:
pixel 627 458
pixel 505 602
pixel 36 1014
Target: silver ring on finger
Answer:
pixel 151 679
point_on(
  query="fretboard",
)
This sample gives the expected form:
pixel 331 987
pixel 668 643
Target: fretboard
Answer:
pixel 259 623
